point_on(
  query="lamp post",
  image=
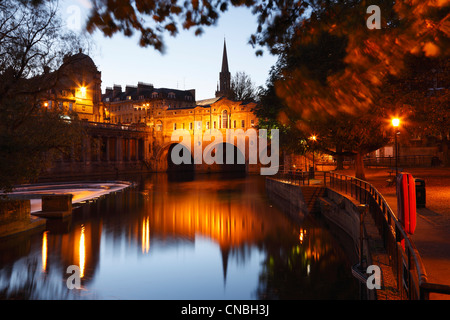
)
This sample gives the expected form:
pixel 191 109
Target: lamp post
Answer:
pixel 313 138
pixel 396 124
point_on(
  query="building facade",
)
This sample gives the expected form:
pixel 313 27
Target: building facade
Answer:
pixel 76 87
pixel 133 105
pixel 131 130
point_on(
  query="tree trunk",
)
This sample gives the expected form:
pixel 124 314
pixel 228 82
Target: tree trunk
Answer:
pixel 339 158
pixel 359 166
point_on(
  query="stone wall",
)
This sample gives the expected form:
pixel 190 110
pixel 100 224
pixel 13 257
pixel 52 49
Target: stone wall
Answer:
pixel 15 217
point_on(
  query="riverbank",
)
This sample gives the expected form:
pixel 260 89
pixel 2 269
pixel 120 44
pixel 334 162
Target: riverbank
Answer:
pixel 431 236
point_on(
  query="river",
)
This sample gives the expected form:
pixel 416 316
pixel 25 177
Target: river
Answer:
pixel 212 237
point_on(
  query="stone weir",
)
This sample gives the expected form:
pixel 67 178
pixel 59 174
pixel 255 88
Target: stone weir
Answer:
pixel 341 214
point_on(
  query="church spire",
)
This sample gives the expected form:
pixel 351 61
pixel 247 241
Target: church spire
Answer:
pixel 224 89
pixel 224 58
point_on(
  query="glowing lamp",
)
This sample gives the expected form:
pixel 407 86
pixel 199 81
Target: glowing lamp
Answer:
pixel 83 91
pixel 396 122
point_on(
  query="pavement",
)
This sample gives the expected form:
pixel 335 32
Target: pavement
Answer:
pixel 432 234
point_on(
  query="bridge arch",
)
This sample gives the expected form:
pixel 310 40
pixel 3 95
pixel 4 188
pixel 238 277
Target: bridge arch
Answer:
pixel 164 162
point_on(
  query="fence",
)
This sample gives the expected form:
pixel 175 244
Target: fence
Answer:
pixel 405 260
pixel 403 161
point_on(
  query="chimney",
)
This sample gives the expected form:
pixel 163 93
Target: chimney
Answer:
pixel 117 89
pixel 141 87
pixel 108 91
pixel 129 88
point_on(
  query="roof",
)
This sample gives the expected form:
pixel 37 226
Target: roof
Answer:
pixel 207 102
pixel 146 92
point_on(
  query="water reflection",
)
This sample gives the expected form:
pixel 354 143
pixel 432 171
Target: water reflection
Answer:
pixel 207 238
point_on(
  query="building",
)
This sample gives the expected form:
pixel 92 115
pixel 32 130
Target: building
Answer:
pixel 133 105
pixel 131 130
pixel 75 86
pixel 224 86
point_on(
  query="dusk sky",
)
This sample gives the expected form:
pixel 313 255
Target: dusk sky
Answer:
pixel 190 62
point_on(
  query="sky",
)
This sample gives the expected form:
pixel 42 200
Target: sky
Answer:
pixel 189 62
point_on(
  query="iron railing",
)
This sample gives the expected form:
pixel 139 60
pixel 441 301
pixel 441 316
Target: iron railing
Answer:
pixel 403 161
pixel 404 257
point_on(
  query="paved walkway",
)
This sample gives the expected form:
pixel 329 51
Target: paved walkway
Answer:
pixel 432 235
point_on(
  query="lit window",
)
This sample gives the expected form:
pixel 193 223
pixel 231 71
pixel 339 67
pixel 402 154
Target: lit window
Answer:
pixel 224 119
pixel 83 92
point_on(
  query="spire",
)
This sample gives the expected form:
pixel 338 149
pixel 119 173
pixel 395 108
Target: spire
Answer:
pixel 224 89
pixel 224 57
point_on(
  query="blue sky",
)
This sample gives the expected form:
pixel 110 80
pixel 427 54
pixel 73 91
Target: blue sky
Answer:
pixel 190 62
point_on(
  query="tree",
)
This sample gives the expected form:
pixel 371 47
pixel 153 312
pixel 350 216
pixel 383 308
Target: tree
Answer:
pixel 243 87
pixel 33 42
pixel 422 98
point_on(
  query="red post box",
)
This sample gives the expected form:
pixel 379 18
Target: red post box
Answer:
pixel 406 201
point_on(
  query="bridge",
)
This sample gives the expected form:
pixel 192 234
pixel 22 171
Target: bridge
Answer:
pixel 212 130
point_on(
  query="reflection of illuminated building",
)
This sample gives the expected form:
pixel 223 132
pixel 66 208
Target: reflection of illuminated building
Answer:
pixel 80 247
pixel 44 251
pixel 145 235
pixel 222 215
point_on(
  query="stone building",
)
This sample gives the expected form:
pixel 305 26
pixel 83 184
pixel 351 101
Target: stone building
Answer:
pixel 131 130
pixel 132 105
pixel 224 86
pixel 75 86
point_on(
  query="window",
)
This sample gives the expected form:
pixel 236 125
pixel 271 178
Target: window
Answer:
pixel 225 119
pixel 207 124
pixel 252 123
pixel 158 125
pixel 215 125
pixel 190 125
pixel 174 126
pixel 243 124
pixel 234 123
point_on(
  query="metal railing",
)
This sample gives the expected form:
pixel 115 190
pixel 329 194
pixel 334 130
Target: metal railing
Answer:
pixel 404 259
pixel 403 161
pixel 301 178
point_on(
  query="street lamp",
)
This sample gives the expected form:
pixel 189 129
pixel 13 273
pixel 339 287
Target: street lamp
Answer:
pixel 313 138
pixel 396 124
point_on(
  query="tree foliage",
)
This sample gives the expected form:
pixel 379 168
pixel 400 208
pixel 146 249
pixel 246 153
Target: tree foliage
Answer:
pixel 243 87
pixel 32 40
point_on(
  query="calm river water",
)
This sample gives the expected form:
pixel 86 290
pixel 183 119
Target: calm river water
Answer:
pixel 209 238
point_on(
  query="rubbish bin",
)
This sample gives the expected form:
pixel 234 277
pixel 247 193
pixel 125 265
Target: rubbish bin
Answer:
pixel 420 193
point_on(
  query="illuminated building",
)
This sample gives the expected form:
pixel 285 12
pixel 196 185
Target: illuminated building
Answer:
pixel 76 87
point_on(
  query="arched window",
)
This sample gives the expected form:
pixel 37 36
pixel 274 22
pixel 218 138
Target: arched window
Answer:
pixel 224 119
pixel 158 125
